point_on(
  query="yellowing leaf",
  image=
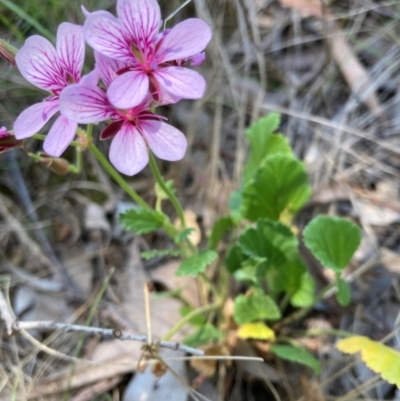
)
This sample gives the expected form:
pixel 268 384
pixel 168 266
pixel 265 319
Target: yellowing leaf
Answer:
pixel 377 356
pixel 258 331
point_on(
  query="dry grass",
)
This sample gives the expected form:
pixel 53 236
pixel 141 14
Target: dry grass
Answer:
pixel 340 115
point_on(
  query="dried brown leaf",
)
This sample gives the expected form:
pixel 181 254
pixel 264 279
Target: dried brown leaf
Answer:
pixel 307 8
pixel 208 367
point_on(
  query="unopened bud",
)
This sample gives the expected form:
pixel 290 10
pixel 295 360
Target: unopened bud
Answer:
pixel 8 52
pixel 57 165
pixel 8 141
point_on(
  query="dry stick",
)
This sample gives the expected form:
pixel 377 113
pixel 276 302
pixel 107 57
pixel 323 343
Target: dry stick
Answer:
pixel 5 314
pixel 107 333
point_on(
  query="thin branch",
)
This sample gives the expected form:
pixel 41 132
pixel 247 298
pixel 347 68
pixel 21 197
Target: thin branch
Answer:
pixel 106 333
pixel 5 314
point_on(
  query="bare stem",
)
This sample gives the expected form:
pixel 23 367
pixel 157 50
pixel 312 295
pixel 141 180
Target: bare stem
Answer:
pixel 46 325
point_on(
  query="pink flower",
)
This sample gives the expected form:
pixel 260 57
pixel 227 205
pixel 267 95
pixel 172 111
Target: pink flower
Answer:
pixel 7 141
pixel 132 129
pixel 154 61
pixel 51 69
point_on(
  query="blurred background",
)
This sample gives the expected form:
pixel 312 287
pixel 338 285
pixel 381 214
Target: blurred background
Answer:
pixel 331 68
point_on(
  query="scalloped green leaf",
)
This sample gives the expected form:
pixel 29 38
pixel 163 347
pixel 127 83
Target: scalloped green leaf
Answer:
pixel 234 258
pixel 332 240
pixel 296 354
pixel 280 185
pixel 141 221
pixel 305 294
pixel 271 240
pixel 220 228
pixel 263 143
pixel 196 264
pixel 249 308
pixel 343 295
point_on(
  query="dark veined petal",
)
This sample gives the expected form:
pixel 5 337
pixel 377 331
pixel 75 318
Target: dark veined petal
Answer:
pixel 184 40
pixel 60 136
pixel 128 90
pixel 181 82
pixel 128 150
pixel 32 119
pixel 71 49
pixel 164 140
pixel 38 62
pixel 104 33
pixel 85 104
pixel 141 19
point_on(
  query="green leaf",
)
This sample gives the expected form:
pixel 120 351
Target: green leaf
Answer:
pixel 204 335
pixel 220 228
pixel 234 258
pixel 377 356
pixel 196 264
pixel 252 270
pixel 197 321
pixel 343 295
pixel 296 354
pixel 332 240
pixel 141 221
pixel 263 143
pixel 280 185
pixel 271 240
pixel 183 235
pixel 160 194
pixel 160 252
pixel 249 308
pixel 304 296
pixel 235 206
pixel 289 276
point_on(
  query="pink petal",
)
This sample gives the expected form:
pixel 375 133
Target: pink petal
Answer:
pixel 38 62
pixel 60 136
pixel 32 119
pixel 181 82
pixel 90 79
pixel 85 11
pixel 128 150
pixel 141 18
pixel 71 49
pixel 165 141
pixel 186 39
pixel 108 67
pixel 85 104
pixel 104 33
pixel 128 90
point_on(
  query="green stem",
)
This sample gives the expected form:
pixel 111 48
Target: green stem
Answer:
pixel 117 177
pixel 174 200
pixel 77 168
pixel 41 137
pixel 190 316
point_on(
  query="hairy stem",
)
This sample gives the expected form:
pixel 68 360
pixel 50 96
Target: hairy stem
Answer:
pixel 190 316
pixel 117 176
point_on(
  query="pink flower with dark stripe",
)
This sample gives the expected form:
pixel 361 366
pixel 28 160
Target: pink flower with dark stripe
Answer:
pixel 131 129
pixel 154 61
pixel 51 69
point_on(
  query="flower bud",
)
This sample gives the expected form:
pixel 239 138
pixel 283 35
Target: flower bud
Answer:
pixel 57 165
pixel 8 141
pixel 8 52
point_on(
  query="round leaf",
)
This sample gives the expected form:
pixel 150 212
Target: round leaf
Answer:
pixel 332 240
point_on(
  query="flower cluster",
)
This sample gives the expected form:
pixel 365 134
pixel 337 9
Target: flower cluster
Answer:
pixel 138 67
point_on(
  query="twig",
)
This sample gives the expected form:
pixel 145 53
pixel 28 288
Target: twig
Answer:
pixel 5 314
pixel 106 333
